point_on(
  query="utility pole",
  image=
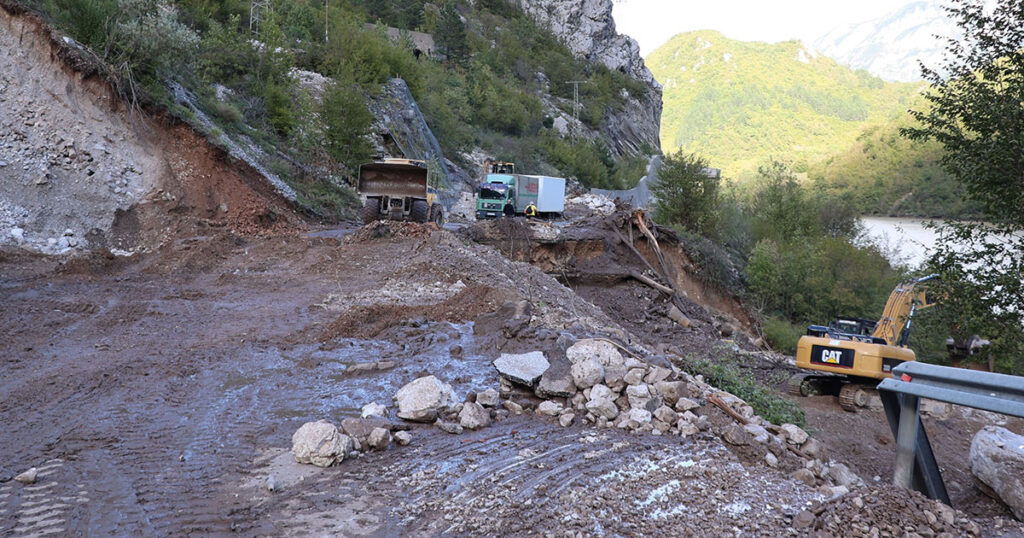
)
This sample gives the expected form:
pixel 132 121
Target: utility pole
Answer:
pixel 576 101
pixel 327 20
pixel 256 9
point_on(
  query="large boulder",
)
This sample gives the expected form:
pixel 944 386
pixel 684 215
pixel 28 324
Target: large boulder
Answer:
pixel 423 399
pixel 525 368
pixel 602 351
pixel 587 373
pixel 997 459
pixel 320 443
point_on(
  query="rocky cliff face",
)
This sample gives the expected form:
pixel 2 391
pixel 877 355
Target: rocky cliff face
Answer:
pixel 588 29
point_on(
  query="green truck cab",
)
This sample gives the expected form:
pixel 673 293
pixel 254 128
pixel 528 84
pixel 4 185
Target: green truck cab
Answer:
pixel 508 195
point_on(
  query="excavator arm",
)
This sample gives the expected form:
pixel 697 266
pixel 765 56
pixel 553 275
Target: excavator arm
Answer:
pixel 904 301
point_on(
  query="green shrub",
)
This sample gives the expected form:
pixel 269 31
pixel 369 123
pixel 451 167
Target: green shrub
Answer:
pixel 685 195
pixel 347 123
pixel 765 401
pixel 782 335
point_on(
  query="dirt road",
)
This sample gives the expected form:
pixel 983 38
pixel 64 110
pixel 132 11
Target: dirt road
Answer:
pixel 158 394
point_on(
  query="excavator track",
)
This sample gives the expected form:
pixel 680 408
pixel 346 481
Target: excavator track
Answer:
pixel 854 396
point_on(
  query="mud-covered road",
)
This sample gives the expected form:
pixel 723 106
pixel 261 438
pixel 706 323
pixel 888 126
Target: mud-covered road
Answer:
pixel 158 394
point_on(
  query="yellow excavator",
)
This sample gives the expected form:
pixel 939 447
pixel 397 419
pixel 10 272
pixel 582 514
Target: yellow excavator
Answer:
pixel 850 356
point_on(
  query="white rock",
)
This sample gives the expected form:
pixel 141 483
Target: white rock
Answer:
pixel 635 376
pixel 379 438
pixel 638 395
pixel 843 476
pixel 794 434
pixel 374 409
pixel 603 408
pixel 603 351
pixel 639 417
pixel 525 368
pixel 422 399
pixel 587 373
pixel 473 416
pixel 403 438
pixel 758 432
pixel 657 374
pixel 666 414
pixel 18 234
pixel 549 408
pixel 771 459
pixel 686 428
pixel 598 392
pixel 997 459
pixel 28 477
pixel 566 419
pixel 685 404
pixel 320 443
pixel 488 398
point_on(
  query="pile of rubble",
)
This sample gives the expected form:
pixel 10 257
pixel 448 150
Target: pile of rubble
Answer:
pixel 593 384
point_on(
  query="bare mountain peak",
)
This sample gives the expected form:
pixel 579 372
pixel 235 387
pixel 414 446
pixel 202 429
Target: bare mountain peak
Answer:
pixel 891 46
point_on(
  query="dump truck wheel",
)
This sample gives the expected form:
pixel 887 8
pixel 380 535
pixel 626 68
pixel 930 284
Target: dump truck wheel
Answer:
pixel 371 210
pixel 437 214
pixel 420 211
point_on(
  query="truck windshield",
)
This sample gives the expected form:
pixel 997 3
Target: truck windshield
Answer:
pixel 496 192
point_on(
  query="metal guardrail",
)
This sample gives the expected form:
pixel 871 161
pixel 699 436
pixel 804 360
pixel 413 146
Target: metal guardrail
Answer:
pixel 916 467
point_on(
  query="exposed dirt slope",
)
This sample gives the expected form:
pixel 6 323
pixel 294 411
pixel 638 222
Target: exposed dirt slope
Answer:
pixel 79 168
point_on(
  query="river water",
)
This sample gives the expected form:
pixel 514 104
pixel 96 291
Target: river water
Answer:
pixel 904 241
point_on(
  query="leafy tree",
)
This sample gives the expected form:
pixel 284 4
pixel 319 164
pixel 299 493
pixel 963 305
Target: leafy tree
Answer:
pixel 976 111
pixel 781 208
pixel 347 124
pixel 451 34
pixel 687 195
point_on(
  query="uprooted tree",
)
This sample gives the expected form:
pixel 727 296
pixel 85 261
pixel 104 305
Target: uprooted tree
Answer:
pixel 976 111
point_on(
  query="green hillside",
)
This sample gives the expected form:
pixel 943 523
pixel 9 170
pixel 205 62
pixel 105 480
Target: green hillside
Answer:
pixel 883 173
pixel 740 103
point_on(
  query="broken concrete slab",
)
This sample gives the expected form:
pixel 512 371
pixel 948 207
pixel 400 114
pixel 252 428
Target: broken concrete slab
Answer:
pixel 525 368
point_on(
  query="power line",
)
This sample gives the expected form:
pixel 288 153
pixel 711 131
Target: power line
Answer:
pixel 576 101
pixel 256 9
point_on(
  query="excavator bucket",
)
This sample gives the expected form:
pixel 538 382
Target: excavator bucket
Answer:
pixel 397 180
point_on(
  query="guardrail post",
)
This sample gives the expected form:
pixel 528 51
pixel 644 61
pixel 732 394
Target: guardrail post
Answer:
pixel 906 441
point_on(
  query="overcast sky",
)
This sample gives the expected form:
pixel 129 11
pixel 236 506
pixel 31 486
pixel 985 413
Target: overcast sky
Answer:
pixel 653 22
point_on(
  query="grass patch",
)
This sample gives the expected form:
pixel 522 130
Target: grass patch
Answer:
pixel 766 402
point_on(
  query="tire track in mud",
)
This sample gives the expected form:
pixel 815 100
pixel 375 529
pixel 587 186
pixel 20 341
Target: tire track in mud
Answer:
pixel 48 507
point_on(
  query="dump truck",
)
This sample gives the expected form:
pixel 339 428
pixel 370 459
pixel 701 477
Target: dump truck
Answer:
pixel 509 194
pixel 397 189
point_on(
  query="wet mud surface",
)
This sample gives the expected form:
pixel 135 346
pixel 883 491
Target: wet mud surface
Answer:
pixel 158 394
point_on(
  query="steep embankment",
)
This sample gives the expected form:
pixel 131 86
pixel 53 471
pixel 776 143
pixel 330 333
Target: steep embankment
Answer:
pixel 81 168
pixel 740 103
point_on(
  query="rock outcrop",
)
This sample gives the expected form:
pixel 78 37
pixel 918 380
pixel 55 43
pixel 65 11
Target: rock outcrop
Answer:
pixel 588 29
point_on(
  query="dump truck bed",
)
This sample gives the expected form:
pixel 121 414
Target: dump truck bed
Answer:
pixel 393 179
